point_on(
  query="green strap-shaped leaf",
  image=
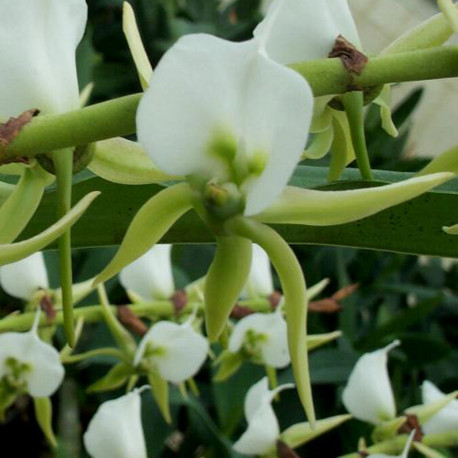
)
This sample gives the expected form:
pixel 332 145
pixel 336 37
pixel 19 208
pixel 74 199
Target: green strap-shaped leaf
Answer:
pixel 328 208
pixel 43 414
pixel 160 390
pixel 22 203
pixel 149 225
pixel 130 29
pixel 121 161
pixel 301 433
pixel 15 251
pixel 225 280
pixel 296 304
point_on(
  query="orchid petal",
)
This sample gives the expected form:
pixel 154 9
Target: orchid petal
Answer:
pixel 38 43
pixel 445 162
pixel 368 395
pixel 261 434
pixel 328 208
pixel 23 278
pixel 300 30
pixel 447 418
pixel 150 276
pixel 45 371
pixel 260 281
pixel 181 351
pixel 178 122
pixel 116 429
pixel 273 343
pixel 121 161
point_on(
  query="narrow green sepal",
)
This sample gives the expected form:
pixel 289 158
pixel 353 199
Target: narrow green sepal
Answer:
pixel 424 412
pixel 15 251
pixel 301 433
pixel 318 340
pixel 116 377
pixel 342 151
pixel 445 162
pixel 22 203
pixel 125 162
pixel 383 101
pixel 6 190
pixel 228 364
pixel 451 230
pixel 450 12
pixel 132 34
pixel 296 303
pixel 320 145
pixel 149 225
pixel 160 390
pixel 427 451
pixel 43 414
pixel 387 429
pixel 328 208
pixel 448 439
pixel 225 280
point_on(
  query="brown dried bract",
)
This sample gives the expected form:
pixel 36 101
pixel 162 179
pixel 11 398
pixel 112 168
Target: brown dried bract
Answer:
pixel 411 424
pixel 47 305
pixel 11 129
pixel 275 299
pixel 285 451
pixel 353 59
pixel 332 304
pixel 179 301
pixel 131 321
pixel 239 311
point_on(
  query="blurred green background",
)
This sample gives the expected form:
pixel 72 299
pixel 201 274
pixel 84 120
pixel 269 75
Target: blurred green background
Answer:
pixel 398 296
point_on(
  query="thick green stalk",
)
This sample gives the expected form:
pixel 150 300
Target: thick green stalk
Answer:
pixel 326 76
pixel 95 314
pixel 294 290
pixel 354 105
pixel 63 164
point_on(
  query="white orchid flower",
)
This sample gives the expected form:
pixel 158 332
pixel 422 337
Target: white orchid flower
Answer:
pixel 300 30
pixel 28 363
pixel 39 40
pixel 263 334
pixel 263 428
pixel 224 113
pixel 23 278
pixel 405 452
pixel 176 351
pixel 447 418
pixel 368 395
pixel 260 282
pixel 150 276
pixel 116 429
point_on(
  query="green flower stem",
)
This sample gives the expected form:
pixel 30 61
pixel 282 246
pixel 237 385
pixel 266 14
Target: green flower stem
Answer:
pixel 63 164
pixel 122 337
pixel 114 352
pixel 95 314
pixel 393 446
pixel 326 76
pixel 354 104
pixel 294 290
